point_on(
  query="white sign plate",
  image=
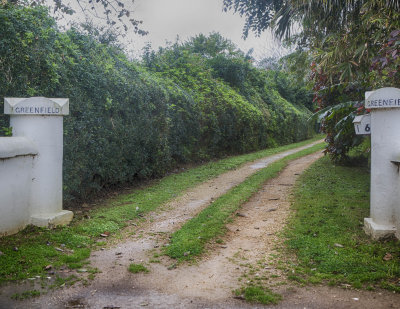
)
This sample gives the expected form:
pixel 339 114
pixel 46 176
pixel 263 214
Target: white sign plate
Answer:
pixel 36 106
pixel 362 124
pixel 383 98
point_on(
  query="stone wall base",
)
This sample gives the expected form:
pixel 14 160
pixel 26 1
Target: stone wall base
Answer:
pixel 378 231
pixel 47 220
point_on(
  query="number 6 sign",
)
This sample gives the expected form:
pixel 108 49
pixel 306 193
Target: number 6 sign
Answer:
pixel 362 124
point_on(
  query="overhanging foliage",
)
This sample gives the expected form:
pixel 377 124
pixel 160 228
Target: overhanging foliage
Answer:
pixel 128 121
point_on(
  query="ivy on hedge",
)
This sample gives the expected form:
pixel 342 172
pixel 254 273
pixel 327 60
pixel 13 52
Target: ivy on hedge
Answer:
pixel 130 120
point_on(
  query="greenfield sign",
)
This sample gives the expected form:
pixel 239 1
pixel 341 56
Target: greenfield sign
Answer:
pixel 36 106
pixel 383 98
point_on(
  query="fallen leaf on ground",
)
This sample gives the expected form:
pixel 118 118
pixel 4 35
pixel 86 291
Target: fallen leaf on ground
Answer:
pixel 387 257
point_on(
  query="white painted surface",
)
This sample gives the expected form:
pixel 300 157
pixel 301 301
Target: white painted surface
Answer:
pixel 15 184
pixel 11 147
pixel 46 132
pixel 385 146
pixel 36 106
pixel 35 195
pixel 362 124
pixel 383 98
pixel 385 177
pixel 378 231
pixel 52 219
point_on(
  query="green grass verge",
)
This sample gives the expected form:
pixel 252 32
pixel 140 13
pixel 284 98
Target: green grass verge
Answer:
pixel 25 295
pixel 138 268
pixel 258 294
pixel 326 231
pixel 28 253
pixel 190 240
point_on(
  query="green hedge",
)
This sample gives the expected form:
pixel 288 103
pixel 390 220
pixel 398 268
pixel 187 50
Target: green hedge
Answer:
pixel 219 76
pixel 127 120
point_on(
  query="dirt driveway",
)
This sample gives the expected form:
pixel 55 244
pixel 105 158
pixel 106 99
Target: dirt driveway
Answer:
pixel 245 252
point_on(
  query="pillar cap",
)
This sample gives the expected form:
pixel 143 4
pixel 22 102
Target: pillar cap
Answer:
pixel 383 98
pixel 36 106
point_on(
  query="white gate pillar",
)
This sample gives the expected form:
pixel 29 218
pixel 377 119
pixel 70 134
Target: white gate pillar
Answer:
pixel 385 160
pixel 41 120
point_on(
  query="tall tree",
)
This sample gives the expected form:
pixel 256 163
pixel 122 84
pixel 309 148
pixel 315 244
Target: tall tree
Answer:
pixel 354 46
pixel 117 14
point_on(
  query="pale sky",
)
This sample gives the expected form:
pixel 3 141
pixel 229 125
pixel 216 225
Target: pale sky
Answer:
pixel 165 19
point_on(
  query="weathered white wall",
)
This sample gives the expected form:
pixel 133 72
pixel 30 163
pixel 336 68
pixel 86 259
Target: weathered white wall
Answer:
pixel 16 160
pixel 46 132
pixel 385 179
pixel 31 164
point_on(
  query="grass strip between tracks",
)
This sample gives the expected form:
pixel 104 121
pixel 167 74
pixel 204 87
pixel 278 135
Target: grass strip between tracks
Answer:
pixel 189 241
pixel 41 251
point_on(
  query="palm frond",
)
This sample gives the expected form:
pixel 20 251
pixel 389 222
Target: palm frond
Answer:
pixel 331 110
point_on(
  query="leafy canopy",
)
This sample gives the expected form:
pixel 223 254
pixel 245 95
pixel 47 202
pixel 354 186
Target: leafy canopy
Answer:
pixel 354 46
pixel 130 121
pixel 116 14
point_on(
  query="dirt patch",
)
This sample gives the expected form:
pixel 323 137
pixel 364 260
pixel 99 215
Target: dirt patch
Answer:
pixel 247 252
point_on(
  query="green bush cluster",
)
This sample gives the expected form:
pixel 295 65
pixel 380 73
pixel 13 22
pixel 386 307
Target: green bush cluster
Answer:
pixel 222 79
pixel 133 120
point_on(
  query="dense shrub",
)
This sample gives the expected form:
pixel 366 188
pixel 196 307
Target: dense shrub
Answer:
pixel 131 121
pixel 229 123
pixel 215 61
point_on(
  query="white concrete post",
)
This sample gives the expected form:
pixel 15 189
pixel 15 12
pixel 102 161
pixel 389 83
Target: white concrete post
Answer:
pixel 385 159
pixel 41 120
